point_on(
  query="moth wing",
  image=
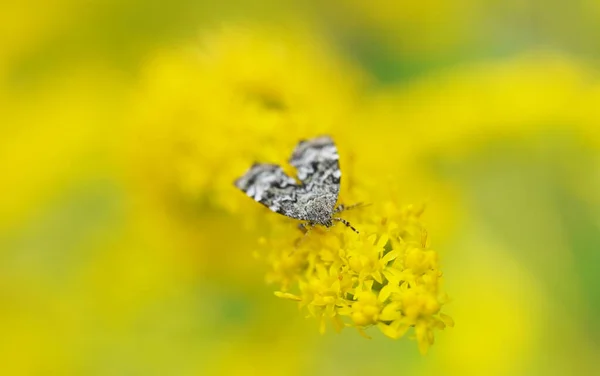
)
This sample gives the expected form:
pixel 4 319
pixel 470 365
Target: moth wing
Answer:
pixel 272 187
pixel 317 163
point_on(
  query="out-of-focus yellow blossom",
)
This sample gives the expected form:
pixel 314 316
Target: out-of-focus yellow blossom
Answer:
pixel 271 87
pixel 274 89
pixel 52 145
pixel 458 110
pixel 206 110
pixel 514 304
pixel 544 96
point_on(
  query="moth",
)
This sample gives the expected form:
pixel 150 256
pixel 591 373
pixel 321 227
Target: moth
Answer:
pixel 313 199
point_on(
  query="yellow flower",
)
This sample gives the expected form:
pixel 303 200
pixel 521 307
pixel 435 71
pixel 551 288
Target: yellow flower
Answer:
pixel 386 276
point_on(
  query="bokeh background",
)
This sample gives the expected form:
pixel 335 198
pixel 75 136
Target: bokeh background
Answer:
pixel 123 246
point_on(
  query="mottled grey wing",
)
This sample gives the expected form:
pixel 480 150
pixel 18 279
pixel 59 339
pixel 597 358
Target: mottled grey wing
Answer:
pixel 317 162
pixel 272 187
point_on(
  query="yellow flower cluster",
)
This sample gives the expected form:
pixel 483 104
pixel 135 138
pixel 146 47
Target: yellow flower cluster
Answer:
pixel 386 276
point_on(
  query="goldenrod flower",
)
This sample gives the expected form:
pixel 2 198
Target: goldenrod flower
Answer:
pixel 386 276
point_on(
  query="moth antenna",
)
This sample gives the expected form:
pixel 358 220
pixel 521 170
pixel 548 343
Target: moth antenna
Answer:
pixel 346 223
pixel 342 207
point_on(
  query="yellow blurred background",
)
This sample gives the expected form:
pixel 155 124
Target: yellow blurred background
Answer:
pixel 125 249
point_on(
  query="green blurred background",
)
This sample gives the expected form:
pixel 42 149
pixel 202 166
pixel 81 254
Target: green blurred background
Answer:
pixel 500 102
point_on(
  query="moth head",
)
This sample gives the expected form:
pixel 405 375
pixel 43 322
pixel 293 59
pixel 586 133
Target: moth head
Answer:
pixel 320 210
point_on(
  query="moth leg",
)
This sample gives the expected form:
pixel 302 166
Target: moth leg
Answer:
pixel 305 228
pixel 346 223
pixel 342 207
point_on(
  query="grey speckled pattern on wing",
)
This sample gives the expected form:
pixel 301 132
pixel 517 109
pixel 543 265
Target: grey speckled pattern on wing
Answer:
pixel 314 198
